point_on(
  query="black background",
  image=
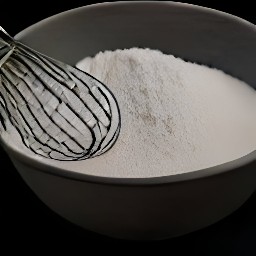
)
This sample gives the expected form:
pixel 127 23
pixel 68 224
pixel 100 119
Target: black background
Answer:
pixel 26 222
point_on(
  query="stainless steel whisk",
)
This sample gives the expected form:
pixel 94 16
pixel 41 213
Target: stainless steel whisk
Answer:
pixel 59 111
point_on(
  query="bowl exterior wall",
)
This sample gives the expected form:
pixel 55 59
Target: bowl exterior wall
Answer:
pixel 142 212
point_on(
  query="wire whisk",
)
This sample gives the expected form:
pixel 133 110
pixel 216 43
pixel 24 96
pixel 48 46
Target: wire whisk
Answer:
pixel 59 111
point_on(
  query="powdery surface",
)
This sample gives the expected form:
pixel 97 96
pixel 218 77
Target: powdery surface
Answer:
pixel 177 116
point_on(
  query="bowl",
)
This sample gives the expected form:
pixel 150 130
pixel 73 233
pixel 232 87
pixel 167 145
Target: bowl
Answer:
pixel 144 208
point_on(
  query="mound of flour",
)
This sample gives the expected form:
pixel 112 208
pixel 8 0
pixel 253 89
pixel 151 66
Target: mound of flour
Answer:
pixel 176 116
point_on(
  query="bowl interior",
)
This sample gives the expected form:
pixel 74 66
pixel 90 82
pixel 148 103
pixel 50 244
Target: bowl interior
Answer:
pixel 193 33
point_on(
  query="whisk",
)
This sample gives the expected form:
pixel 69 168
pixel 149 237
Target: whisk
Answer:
pixel 59 111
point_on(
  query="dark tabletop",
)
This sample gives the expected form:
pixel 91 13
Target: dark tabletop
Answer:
pixel 25 220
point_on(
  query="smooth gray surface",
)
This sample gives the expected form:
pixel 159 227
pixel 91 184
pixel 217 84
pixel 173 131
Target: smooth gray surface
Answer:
pixel 193 33
pixel 142 212
pixel 149 211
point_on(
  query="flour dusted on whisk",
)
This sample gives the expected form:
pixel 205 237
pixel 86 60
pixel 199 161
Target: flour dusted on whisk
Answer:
pixel 60 112
pixel 176 116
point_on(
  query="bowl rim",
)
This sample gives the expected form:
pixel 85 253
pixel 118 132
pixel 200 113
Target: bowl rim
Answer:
pixel 39 164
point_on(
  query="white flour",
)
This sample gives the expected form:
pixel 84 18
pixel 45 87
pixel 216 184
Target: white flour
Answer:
pixel 177 117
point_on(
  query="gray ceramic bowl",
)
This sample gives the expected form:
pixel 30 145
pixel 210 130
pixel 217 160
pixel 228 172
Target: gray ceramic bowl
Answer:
pixel 146 208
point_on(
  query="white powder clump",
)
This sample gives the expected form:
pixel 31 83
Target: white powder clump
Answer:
pixel 176 116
